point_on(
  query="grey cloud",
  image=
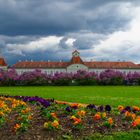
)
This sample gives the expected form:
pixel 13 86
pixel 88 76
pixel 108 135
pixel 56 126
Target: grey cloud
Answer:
pixel 46 17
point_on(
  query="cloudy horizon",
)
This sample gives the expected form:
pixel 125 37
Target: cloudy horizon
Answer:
pixel 51 29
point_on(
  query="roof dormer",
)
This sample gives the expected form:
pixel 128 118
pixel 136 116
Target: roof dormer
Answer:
pixel 75 53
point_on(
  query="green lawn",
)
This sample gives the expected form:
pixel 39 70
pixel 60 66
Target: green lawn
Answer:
pixel 113 95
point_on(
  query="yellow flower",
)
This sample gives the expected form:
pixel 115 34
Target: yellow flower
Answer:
pixel 46 125
pixel 72 117
pixel 80 105
pixel 103 115
pixel 120 108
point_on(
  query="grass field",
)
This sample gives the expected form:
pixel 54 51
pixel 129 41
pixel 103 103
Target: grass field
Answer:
pixel 113 95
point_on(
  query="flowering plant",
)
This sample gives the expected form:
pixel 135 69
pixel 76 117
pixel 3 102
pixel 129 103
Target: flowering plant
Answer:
pixel 52 125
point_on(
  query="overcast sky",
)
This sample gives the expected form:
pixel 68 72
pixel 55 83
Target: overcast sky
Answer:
pixel 52 29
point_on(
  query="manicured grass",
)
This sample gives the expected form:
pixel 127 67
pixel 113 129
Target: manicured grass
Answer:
pixel 113 95
pixel 132 135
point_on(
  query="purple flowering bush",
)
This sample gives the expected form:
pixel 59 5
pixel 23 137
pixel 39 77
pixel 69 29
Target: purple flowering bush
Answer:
pixel 8 78
pixel 111 77
pixel 61 79
pixel 81 77
pixel 133 78
pixel 32 78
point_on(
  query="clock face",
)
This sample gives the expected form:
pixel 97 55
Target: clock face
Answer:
pixel 76 54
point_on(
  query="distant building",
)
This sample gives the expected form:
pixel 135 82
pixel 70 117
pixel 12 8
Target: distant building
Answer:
pixel 76 63
pixel 3 64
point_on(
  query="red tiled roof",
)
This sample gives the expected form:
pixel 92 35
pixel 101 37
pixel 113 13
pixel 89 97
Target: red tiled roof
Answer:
pixel 76 60
pixel 29 64
pixel 111 65
pixel 2 62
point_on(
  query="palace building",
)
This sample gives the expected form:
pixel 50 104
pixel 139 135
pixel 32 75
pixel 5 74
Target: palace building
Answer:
pixel 76 63
pixel 3 64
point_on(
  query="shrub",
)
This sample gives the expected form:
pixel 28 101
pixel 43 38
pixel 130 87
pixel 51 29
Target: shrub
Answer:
pixel 111 77
pixel 108 77
pixel 33 78
pixel 83 77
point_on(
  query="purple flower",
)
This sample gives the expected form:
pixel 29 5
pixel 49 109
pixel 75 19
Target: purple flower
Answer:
pixel 91 106
pixel 127 108
pixel 123 111
pixel 68 109
pixel 108 108
pixel 100 108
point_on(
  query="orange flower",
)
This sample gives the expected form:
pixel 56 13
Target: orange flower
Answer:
pixel 77 120
pixel 29 117
pixel 96 116
pixel 110 121
pixel 136 108
pixel 2 104
pixel 25 110
pixel 74 105
pixel 133 116
pixel 81 113
pixel 55 124
pixel 16 126
pixel 53 115
pixel 127 114
pixel 19 118
pixel 134 124
pixel 1 113
pixel 14 105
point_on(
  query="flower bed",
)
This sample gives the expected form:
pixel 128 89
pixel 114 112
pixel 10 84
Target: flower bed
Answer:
pixel 37 118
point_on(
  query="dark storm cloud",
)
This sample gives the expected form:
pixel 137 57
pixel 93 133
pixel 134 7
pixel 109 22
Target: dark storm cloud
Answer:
pixel 24 22
pixel 53 17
